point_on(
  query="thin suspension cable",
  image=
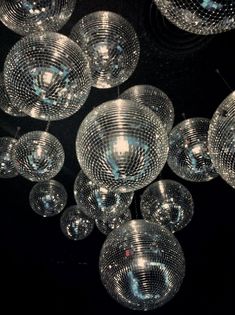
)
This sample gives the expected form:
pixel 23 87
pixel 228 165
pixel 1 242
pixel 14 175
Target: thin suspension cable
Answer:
pixel 223 79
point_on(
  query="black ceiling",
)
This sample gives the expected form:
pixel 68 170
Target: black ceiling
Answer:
pixel 40 268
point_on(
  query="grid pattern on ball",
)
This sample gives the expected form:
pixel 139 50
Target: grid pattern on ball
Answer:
pixel 38 156
pixel 111 45
pixel 47 76
pixel 27 16
pixel 155 99
pixel 141 265
pixel 198 16
pixel 188 150
pixel 221 140
pixel 7 168
pixel 169 203
pixel 48 198
pixel 122 146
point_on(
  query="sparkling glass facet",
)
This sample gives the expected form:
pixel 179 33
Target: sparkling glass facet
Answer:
pixel 7 168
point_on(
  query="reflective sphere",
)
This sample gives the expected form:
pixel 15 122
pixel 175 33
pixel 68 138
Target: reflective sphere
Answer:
pixel 221 140
pixel 38 156
pixel 188 150
pixel 48 198
pixel 99 203
pixel 122 146
pixel 155 99
pixel 200 17
pixel 47 76
pixel 169 203
pixel 75 224
pixel 27 16
pixel 7 168
pixel 111 44
pixel 141 265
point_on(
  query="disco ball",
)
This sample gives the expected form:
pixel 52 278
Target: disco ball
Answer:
pixel 7 168
pixel 48 198
pixel 47 76
pixel 28 16
pixel 199 17
pixel 38 156
pixel 111 44
pixel 155 99
pixel 221 140
pixel 75 224
pixel 141 265
pixel 121 146
pixel 169 203
pixel 99 203
pixel 188 151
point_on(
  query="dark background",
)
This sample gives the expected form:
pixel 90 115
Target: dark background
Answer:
pixel 41 270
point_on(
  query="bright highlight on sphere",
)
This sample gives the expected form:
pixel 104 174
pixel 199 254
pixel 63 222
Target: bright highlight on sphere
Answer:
pixel 99 203
pixel 38 156
pixel 168 203
pixel 221 139
pixel 202 17
pixel 141 265
pixel 153 98
pixel 7 168
pixel 48 198
pixel 28 16
pixel 121 146
pixel 188 150
pixel 111 45
pixel 75 225
pixel 47 76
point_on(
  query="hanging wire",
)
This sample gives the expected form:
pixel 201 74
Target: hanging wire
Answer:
pixel 223 79
pixel 184 116
pixel 17 132
pixel 118 91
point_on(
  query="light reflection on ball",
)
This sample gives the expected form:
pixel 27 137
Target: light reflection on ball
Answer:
pixel 7 167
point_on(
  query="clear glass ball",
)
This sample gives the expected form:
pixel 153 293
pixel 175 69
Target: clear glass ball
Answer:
pixel 199 17
pixel 75 225
pixel 47 76
pixel 38 156
pixel 28 16
pixel 111 44
pixel 141 265
pixel 155 99
pixel 168 203
pixel 221 140
pixel 188 150
pixel 7 168
pixel 97 202
pixel 48 198
pixel 122 146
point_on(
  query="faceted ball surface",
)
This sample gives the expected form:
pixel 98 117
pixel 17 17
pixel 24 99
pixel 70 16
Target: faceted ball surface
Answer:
pixel 168 203
pixel 7 168
pixel 199 17
pixel 75 224
pixel 47 76
pixel 38 156
pixel 155 99
pixel 141 265
pixel 28 16
pixel 122 146
pixel 48 198
pixel 188 150
pixel 111 44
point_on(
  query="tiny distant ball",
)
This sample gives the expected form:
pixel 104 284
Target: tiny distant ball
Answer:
pixel 7 167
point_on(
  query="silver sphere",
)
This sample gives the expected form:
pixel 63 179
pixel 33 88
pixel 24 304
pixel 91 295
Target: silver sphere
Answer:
pixel 199 17
pixel 38 156
pixel 7 168
pixel 221 140
pixel 188 151
pixel 111 44
pixel 169 203
pixel 47 76
pixel 122 146
pixel 28 16
pixel 74 224
pixel 141 265
pixel 48 198
pixel 99 203
pixel 155 99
